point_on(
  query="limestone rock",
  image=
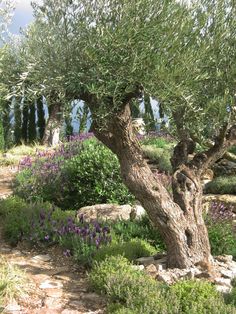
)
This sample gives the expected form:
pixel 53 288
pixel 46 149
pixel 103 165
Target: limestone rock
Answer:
pixel 151 270
pixel 42 258
pixel 110 212
pixel 145 260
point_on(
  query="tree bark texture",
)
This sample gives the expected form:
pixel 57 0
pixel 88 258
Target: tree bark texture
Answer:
pixel 180 220
pixel 53 126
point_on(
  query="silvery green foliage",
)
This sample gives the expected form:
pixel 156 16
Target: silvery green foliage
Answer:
pixel 180 53
pixel 6 13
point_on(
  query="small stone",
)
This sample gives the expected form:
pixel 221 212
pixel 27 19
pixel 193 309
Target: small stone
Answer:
pixel 54 293
pixel 42 258
pixel 168 278
pixel 226 273
pixel 76 304
pixel 50 285
pixel 12 308
pixel 5 250
pixel 224 258
pixel 190 274
pixel 138 267
pixel 151 269
pixel 223 282
pixel 53 303
pixel 66 311
pixel 223 289
pixel 159 267
pixel 145 260
pixel 16 252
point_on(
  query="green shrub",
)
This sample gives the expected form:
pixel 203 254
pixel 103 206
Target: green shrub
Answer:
pixel 231 297
pixel 222 185
pixel 160 156
pixel 126 230
pixel 158 142
pixel 18 217
pixel 88 175
pixel 132 291
pixel 222 239
pixel 131 250
pixel 192 293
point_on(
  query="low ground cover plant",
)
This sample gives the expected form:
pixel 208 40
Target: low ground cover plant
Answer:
pixel 221 185
pixel 132 291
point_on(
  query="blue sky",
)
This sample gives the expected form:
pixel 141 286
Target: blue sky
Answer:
pixel 22 17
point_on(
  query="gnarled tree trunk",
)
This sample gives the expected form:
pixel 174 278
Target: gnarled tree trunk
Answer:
pixel 53 126
pixel 179 220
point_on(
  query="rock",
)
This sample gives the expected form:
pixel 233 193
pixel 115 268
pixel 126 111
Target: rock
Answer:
pixel 226 273
pixel 138 267
pixel 145 260
pixel 137 211
pixel 224 258
pixel 223 289
pixel 159 267
pixel 50 285
pixel 16 252
pixel 70 312
pixel 12 308
pixel 42 258
pixel 110 212
pixel 151 270
pixel 5 250
pixel 167 277
pixel 223 282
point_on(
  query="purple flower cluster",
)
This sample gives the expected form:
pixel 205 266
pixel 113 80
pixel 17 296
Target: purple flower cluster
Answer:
pixel 46 168
pixel 69 233
pixel 54 157
pixel 219 211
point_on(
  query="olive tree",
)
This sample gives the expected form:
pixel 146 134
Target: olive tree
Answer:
pixel 109 53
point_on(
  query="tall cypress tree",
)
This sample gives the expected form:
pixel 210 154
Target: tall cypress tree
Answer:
pixel 24 129
pixel 32 124
pixel 17 124
pixel 41 118
pixel 6 123
pixel 2 143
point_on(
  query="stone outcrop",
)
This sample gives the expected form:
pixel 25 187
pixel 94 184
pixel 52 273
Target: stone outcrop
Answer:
pixel 220 273
pixel 110 212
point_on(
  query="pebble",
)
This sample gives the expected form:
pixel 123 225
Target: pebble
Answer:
pixel 50 285
pixel 42 258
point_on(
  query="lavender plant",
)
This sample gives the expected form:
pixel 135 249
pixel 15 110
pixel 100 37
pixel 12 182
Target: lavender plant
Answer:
pixel 221 230
pixel 78 173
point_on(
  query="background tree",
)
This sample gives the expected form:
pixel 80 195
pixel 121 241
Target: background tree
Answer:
pixel 17 122
pixel 41 118
pixel 32 123
pixel 2 142
pixel 109 53
pixel 25 119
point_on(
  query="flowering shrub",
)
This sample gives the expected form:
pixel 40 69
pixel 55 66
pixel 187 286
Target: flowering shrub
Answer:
pixel 43 223
pixel 222 235
pixel 79 173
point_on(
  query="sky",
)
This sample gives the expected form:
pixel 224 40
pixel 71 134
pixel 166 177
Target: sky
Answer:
pixel 23 15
